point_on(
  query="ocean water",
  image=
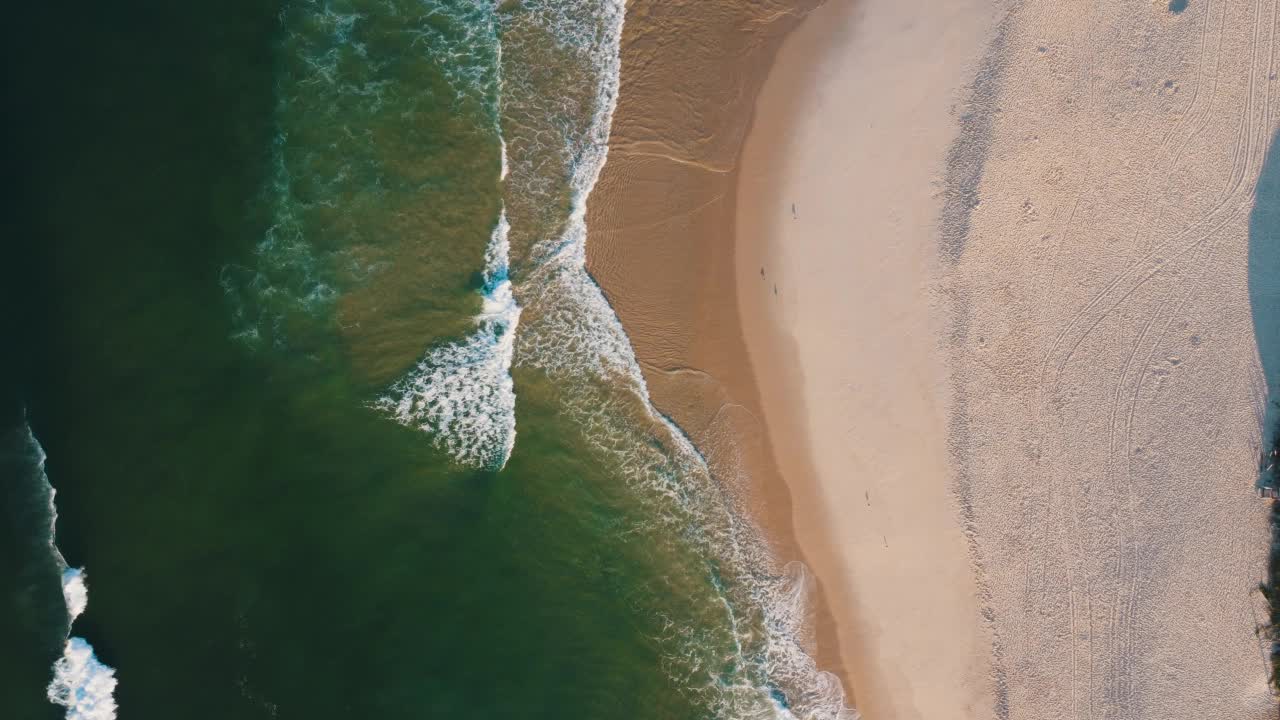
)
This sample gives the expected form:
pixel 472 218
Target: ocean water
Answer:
pixel 311 407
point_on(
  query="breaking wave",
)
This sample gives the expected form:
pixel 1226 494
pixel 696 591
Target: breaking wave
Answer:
pixel 75 592
pixel 462 392
pixel 81 683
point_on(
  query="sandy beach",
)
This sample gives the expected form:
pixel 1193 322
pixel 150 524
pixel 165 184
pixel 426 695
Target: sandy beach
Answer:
pixel 966 312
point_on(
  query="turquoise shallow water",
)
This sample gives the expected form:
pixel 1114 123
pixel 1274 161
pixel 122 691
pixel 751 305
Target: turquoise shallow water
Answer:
pixel 338 424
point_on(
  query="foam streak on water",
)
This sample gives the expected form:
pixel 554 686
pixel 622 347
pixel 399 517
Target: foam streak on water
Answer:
pixel 81 683
pixel 462 392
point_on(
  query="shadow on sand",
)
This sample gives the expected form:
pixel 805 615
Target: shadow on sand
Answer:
pixel 1264 304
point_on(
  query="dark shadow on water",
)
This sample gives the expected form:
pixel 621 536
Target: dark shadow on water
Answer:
pixel 1264 305
pixel 1177 6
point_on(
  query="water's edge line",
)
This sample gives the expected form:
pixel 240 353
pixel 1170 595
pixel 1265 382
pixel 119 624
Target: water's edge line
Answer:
pixel 679 435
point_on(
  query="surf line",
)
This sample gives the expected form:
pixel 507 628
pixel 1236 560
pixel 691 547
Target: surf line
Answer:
pixel 81 683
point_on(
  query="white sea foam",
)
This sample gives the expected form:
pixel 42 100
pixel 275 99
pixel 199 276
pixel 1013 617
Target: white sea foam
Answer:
pixel 75 592
pixel 82 684
pixel 462 392
pixel 581 331
pixel 777 678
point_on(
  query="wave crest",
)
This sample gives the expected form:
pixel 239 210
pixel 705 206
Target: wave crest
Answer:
pixel 83 684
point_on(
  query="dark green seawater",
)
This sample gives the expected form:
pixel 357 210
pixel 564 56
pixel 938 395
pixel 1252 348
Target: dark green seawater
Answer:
pixel 339 426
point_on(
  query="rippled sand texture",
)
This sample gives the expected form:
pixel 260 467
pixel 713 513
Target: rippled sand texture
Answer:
pixel 1107 387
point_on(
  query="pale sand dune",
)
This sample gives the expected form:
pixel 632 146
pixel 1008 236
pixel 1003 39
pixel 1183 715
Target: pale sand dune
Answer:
pixel 1047 314
pixel 835 253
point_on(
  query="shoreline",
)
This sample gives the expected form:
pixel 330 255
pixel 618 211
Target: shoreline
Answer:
pixel 660 229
